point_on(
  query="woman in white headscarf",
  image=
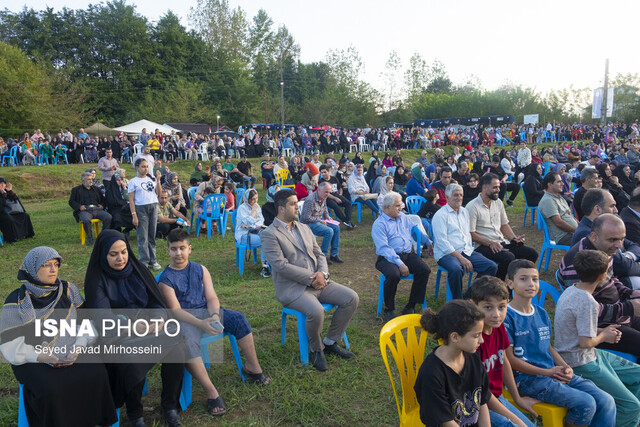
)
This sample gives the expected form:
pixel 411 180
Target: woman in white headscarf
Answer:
pixel 359 190
pixel 249 225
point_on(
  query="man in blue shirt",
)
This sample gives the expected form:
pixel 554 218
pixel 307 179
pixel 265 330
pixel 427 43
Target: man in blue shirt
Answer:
pixel 391 234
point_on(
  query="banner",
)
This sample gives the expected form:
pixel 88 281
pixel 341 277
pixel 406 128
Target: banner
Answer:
pixel 531 119
pixel 598 95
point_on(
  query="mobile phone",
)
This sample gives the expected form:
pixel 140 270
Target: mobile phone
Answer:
pixel 217 325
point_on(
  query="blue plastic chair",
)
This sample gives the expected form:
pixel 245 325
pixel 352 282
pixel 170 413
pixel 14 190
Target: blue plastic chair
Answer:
pixel 11 156
pixel 548 245
pixel 546 167
pixel 449 294
pixel 533 209
pixel 22 413
pixel 213 211
pixel 239 194
pixel 359 210
pixel 303 338
pixel 414 203
pixel 1 241
pixel 628 356
pixel 186 392
pixel 241 250
pixel 381 293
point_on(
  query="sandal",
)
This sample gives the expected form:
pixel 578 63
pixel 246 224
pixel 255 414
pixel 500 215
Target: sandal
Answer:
pixel 213 404
pixel 260 378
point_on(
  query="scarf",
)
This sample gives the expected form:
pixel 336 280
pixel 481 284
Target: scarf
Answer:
pixel 416 173
pixel 198 174
pixel 254 210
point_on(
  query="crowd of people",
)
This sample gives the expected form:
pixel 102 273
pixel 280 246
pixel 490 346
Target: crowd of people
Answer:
pixel 461 221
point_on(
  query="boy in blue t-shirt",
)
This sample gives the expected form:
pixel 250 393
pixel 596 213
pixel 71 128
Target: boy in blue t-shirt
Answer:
pixel 188 290
pixel 540 372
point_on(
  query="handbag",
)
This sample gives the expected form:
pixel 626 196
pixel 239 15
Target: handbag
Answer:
pixel 369 196
pixel 13 207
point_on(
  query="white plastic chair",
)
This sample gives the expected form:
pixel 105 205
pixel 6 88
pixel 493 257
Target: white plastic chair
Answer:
pixel 202 151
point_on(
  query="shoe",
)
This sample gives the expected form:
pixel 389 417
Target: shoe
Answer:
pixel 319 361
pixel 265 272
pixel 408 310
pixel 338 351
pixel 172 418
pixel 329 262
pixel 509 203
pixel 155 266
pixel 388 315
pixel 349 225
pixel 337 259
pixel 138 422
pixel 216 403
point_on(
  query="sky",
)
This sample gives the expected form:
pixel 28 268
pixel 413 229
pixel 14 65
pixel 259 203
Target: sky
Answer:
pixel 544 44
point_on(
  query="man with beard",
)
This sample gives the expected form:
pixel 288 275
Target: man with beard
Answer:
pixel 491 233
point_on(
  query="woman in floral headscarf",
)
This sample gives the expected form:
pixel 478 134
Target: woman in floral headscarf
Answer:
pixel 57 390
pixel 174 188
pixel 249 225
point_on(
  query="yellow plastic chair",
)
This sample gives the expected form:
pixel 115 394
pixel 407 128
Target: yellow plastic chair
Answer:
pixel 281 176
pixel 407 349
pixel 96 230
pixel 552 415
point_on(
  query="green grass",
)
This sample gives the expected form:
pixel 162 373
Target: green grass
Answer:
pixel 355 392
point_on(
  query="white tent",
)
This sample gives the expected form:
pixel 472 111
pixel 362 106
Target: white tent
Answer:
pixel 136 127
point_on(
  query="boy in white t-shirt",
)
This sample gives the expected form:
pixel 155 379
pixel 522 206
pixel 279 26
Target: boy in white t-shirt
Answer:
pixel 577 335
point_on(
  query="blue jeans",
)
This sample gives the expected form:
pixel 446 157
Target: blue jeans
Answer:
pixel 483 266
pixel 330 236
pixel 254 239
pixel 586 403
pixel 498 420
pixel 371 203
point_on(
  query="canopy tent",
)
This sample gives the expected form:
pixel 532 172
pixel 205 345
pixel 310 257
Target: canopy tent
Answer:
pixel 202 128
pixel 98 129
pixel 136 127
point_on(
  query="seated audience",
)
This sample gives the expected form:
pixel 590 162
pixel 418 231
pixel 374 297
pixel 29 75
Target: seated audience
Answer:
pixel 15 222
pixel 87 203
pixel 555 210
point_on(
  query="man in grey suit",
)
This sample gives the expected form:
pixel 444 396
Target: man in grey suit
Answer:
pixel 301 279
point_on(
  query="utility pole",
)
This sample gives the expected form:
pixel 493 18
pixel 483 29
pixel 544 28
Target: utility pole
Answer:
pixel 265 108
pixel 605 94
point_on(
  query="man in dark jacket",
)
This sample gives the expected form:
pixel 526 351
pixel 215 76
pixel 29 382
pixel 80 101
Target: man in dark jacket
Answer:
pixel 88 203
pixel 631 216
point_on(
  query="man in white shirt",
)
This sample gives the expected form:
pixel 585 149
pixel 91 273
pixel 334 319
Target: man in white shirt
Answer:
pixel 523 158
pixel 452 245
pixel 146 154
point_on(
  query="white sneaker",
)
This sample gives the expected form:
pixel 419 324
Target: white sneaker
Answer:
pixel 155 266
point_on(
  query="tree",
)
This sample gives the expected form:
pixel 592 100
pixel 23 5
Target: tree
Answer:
pixel 416 78
pixel 390 76
pixel 223 29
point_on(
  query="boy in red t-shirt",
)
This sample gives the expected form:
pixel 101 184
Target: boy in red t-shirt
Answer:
pixel 229 192
pixel 491 296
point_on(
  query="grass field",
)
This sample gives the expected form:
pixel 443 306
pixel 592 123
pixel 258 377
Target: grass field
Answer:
pixel 354 392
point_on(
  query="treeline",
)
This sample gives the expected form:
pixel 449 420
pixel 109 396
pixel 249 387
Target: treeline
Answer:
pixel 109 63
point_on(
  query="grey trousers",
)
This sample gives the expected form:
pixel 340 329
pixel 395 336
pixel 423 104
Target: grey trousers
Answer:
pixel 310 304
pixel 146 232
pixel 87 215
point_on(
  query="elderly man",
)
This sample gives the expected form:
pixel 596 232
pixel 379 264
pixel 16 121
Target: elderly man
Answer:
pixel 452 244
pixel 625 266
pixel 301 279
pixel 88 203
pixel 619 305
pixel 556 211
pixel 590 178
pixel 108 166
pixel 391 234
pixel 316 215
pixel 490 230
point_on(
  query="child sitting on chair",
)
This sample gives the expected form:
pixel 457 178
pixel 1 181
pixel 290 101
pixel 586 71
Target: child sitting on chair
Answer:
pixel 188 289
pixel 540 371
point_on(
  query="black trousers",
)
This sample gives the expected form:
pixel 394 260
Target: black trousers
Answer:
pixel 509 186
pixel 506 255
pixel 420 272
pixel 630 340
pixel 343 211
pixel 171 374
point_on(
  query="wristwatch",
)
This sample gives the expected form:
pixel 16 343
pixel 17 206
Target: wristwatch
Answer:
pixel 326 275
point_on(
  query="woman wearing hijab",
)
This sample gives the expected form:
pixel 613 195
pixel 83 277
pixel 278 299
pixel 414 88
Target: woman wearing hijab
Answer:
pixel 400 180
pixel 387 160
pixel 532 185
pixel 118 204
pixel 269 211
pixel 628 182
pixel 249 226
pixel 199 175
pixel 372 173
pixel 359 190
pixel 358 160
pixel 58 390
pixel 15 222
pixel 117 280
pixel 282 164
pixel 611 183
pixel 417 185
pixel 380 181
pixel 174 188
pixel 308 183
